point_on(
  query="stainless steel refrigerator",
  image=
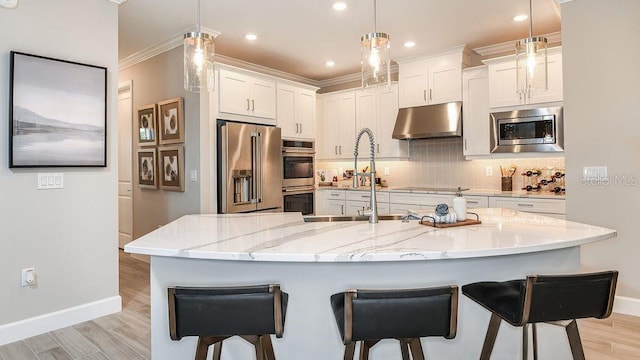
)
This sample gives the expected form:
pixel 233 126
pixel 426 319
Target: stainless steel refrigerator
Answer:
pixel 249 168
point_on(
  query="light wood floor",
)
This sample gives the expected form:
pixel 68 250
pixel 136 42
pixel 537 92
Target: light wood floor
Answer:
pixel 127 335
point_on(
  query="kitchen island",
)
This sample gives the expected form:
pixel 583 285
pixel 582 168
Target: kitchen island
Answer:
pixel 312 260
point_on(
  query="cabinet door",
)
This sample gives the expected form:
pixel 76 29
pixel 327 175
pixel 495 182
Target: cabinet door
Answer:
pixel 344 130
pixel 413 84
pixel 554 82
pixel 366 113
pixel 263 98
pixel 445 84
pixel 234 97
pixel 328 139
pixel 385 122
pixel 476 124
pixel 502 85
pixel 287 111
pixel 334 207
pixel 306 113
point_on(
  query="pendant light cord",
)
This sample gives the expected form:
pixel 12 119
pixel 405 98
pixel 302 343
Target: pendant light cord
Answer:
pixel 198 16
pixel 375 16
pixel 530 20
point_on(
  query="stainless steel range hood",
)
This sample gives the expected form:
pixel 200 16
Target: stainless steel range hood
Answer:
pixel 430 121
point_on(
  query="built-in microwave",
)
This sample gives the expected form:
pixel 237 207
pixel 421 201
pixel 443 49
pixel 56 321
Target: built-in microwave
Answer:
pixel 530 130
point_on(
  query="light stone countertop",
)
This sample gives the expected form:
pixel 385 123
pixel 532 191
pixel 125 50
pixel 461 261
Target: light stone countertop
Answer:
pixel 285 237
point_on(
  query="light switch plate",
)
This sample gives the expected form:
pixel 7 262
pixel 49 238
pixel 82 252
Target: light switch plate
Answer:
pixel 48 181
pixel 594 173
pixel 193 175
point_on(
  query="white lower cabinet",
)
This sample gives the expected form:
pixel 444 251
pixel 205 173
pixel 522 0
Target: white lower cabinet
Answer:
pixel 359 201
pixel 548 207
pixel 401 202
pixel 330 202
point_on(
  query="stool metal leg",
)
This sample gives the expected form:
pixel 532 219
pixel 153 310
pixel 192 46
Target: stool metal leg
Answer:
pixel 404 349
pixel 574 340
pixel 490 339
pixel 525 342
pixel 349 350
pixel 535 341
pixel 416 349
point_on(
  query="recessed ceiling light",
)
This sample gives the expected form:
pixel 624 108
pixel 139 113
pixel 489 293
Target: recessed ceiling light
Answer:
pixel 521 17
pixel 339 5
pixel 409 44
pixel 330 63
pixel 251 37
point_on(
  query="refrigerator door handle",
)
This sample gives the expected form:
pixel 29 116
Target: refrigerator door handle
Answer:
pixel 254 167
pixel 259 174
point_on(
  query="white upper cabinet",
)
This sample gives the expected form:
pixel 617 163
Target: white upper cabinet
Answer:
pixel 475 111
pixel 296 111
pixel 245 95
pixel 377 110
pixel 502 81
pixel 433 80
pixel 336 132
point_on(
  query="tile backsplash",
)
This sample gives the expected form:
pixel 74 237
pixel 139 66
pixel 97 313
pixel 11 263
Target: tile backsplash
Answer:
pixel 440 163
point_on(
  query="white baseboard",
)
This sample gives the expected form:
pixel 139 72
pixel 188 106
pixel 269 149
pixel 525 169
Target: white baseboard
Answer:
pixel 27 328
pixel 626 305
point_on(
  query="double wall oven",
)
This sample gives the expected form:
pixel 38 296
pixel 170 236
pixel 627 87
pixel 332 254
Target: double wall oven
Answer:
pixel 298 178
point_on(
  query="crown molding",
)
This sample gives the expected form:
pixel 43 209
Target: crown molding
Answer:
pixel 226 60
pixel 347 78
pixel 453 50
pixel 118 1
pixel 504 47
pixel 159 48
pixel 560 2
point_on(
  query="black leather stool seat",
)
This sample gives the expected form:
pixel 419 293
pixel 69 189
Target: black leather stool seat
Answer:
pixel 550 299
pixel 214 314
pixel 407 315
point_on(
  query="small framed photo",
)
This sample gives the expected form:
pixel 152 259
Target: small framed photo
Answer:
pixel 147 178
pixel 147 125
pixel 171 168
pixel 171 121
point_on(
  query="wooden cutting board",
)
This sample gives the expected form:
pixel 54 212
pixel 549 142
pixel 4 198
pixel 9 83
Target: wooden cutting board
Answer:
pixel 448 225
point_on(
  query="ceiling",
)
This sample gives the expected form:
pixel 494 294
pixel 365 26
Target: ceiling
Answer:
pixel 299 36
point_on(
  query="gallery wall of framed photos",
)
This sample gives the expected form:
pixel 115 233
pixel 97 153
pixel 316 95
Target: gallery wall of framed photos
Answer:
pixel 160 153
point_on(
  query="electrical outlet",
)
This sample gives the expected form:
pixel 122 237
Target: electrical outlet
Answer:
pixel 29 277
pixel 489 171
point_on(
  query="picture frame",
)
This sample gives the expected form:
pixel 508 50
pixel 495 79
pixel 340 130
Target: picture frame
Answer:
pixel 171 168
pixel 57 112
pixel 147 169
pixel 171 121
pixel 146 123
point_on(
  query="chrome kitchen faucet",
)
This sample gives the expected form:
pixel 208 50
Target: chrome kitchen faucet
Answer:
pixel 373 206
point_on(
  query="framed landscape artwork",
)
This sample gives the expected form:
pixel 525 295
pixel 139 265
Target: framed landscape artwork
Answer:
pixel 147 178
pixel 171 168
pixel 171 121
pixel 58 113
pixel 146 121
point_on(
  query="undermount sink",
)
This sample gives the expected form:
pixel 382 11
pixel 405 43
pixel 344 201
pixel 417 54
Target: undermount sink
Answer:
pixel 334 218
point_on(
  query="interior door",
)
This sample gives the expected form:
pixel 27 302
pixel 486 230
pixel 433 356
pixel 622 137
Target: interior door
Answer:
pixel 125 156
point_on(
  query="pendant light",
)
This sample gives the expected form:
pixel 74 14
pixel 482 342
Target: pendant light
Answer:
pixel 375 58
pixel 198 58
pixel 531 62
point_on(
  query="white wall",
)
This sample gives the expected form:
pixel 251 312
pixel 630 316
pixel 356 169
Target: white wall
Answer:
pixel 68 235
pixel 601 98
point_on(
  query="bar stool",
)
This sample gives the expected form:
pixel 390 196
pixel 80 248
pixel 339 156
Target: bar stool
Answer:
pixel 215 314
pixel 557 300
pixel 407 315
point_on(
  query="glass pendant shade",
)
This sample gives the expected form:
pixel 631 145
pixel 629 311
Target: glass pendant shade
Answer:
pixel 199 51
pixel 376 60
pixel 531 65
